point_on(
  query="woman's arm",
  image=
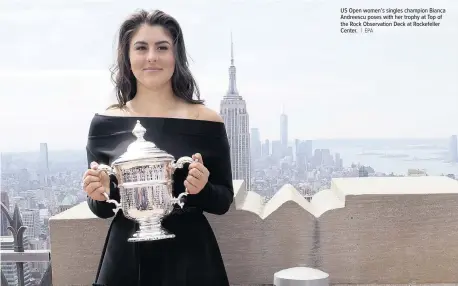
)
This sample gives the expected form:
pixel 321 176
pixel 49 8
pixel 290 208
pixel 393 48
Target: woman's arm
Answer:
pixel 102 209
pixel 214 198
pixel 218 194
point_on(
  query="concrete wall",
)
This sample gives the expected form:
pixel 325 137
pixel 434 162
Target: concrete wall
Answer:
pixel 361 231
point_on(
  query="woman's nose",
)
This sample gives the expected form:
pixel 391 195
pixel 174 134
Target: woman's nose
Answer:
pixel 152 57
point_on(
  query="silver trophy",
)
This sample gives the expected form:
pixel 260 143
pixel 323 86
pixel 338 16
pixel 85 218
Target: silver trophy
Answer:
pixel 144 174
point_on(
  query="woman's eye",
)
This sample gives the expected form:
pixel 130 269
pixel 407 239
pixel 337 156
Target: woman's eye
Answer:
pixel 140 48
pixel 163 48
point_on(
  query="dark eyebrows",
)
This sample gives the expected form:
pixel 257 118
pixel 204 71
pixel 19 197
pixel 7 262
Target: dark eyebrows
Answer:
pixel 162 42
pixel 157 43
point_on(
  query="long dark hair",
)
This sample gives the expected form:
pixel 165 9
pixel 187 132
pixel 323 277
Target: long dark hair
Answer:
pixel 183 84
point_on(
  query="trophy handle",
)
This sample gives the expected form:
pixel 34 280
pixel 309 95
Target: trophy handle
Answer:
pixel 108 200
pixel 180 162
pixel 178 200
pixel 109 171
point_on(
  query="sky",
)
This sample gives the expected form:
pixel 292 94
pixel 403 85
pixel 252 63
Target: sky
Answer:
pixel 394 82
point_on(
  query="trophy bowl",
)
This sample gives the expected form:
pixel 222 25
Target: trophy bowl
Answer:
pixel 144 174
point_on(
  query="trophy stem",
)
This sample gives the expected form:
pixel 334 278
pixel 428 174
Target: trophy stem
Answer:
pixel 150 229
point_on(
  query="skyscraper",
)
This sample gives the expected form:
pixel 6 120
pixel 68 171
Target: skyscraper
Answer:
pixel 236 119
pixel 44 164
pixel 266 148
pixel 31 219
pixel 4 227
pixel 284 131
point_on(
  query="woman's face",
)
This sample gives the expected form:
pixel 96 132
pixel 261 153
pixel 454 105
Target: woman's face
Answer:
pixel 151 56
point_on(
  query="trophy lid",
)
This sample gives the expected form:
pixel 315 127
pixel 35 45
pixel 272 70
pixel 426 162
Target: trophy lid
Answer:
pixel 142 149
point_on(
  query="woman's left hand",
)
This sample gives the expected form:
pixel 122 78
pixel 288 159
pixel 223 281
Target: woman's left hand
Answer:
pixel 197 175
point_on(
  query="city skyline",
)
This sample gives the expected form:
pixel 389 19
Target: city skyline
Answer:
pixel 395 83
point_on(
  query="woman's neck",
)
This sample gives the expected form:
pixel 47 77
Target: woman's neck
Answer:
pixel 157 102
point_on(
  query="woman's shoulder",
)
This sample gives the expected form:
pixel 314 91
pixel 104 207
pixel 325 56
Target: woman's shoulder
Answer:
pixel 199 120
pixel 201 111
pixel 112 120
pixel 114 110
pixel 207 114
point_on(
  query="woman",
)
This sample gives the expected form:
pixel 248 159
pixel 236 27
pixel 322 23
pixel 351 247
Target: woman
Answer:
pixel 154 85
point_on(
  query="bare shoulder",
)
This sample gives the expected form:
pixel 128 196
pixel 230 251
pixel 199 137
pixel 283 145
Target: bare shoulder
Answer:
pixel 208 114
pixel 114 110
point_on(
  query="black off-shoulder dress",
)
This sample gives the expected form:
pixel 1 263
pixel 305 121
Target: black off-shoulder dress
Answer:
pixel 193 256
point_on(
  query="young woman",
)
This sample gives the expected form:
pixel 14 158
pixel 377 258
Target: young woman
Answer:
pixel 154 85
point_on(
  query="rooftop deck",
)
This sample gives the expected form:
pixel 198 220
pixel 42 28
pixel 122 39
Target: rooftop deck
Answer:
pixel 395 230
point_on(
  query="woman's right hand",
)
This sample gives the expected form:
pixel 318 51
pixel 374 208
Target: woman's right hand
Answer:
pixel 96 182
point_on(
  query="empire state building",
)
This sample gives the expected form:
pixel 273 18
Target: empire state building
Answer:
pixel 236 120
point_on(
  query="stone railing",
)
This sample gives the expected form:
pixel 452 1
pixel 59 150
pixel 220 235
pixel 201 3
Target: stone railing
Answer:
pixel 360 231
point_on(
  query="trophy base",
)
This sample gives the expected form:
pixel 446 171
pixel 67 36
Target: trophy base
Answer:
pixel 150 230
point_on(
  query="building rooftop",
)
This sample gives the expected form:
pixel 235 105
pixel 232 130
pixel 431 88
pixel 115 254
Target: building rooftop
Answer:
pixel 391 230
